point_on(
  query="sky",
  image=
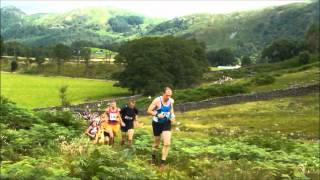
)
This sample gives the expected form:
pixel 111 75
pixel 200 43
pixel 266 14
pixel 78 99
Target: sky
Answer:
pixel 164 9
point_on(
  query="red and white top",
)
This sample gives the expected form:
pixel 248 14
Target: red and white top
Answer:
pixel 113 115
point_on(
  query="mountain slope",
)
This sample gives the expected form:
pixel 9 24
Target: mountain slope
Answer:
pixel 243 31
pixel 93 24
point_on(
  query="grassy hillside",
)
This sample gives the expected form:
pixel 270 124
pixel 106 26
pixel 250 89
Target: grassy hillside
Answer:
pixel 262 140
pixel 245 32
pixel 39 91
pixel 90 24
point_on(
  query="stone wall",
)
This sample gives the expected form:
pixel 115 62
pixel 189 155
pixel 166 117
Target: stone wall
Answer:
pixel 214 102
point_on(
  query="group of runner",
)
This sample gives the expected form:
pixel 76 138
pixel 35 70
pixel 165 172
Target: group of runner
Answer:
pixel 104 128
pixel 114 119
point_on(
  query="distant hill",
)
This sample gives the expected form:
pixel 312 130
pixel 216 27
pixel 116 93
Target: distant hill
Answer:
pixel 99 25
pixel 245 32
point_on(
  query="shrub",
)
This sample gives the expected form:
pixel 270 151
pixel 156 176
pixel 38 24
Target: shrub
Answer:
pixel 64 118
pixel 197 94
pixel 15 117
pixel 14 65
pixel 304 57
pixel 263 79
pixel 63 96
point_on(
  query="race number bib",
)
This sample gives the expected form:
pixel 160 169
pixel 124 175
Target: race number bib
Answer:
pixel 113 116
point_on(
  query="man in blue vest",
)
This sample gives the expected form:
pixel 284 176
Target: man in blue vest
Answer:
pixel 162 111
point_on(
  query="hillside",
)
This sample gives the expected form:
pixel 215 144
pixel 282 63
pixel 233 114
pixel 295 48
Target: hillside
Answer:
pixel 245 32
pixel 98 25
pixel 275 139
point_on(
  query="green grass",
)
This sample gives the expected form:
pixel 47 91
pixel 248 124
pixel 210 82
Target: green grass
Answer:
pixel 255 140
pixel 276 139
pixel 38 91
pixel 310 76
pixel 284 115
pixel 287 73
pixel 282 80
pixel 215 69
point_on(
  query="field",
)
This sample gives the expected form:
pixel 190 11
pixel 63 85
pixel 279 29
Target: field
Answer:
pixel 39 91
pixel 97 70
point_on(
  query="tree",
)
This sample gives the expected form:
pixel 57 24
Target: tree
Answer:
pixel 28 53
pixel 312 37
pixel 245 60
pixel 221 57
pixel 14 65
pixel 85 53
pixel 61 53
pixel 40 60
pixel 304 57
pixel 63 96
pixel 76 47
pixel 152 63
pixel 1 46
pixel 14 48
pixel 119 24
pixel 282 49
pixel 108 55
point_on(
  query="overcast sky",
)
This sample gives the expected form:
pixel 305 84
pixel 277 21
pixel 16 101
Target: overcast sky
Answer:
pixel 166 9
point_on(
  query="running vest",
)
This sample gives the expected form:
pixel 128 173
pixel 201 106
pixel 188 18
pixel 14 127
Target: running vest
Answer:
pixel 93 130
pixel 113 114
pixel 164 109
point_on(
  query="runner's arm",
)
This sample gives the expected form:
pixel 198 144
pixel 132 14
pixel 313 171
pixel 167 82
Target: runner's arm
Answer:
pixel 173 119
pixel 152 107
pixel 121 122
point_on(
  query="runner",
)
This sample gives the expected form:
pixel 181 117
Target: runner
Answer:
pixel 114 118
pixel 163 114
pixel 92 130
pixel 103 135
pixel 129 115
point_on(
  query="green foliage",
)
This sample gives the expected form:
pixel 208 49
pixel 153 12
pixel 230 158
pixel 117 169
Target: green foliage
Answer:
pixel 282 49
pixel 196 94
pixel 23 133
pixel 61 53
pixel 263 79
pixel 221 57
pixel 14 117
pixel 1 46
pixel 85 53
pixel 14 65
pixel 14 48
pixel 153 63
pixel 119 24
pixel 312 37
pixel 76 46
pixel 40 60
pixel 304 57
pixel 49 149
pixel 63 96
pixel 246 33
pixel 245 60
pixel 63 118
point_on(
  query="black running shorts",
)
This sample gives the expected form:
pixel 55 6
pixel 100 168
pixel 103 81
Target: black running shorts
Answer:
pixel 129 125
pixel 159 127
